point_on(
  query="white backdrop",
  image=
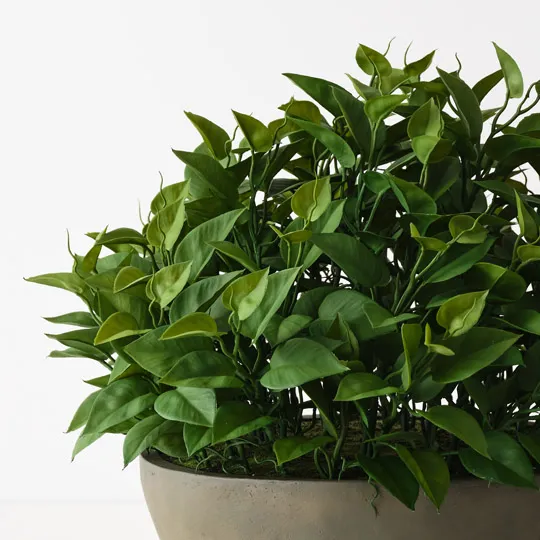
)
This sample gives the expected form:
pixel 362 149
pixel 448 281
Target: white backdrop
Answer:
pixel 92 98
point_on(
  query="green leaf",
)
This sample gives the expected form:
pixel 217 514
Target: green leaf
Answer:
pixel 357 261
pixel 237 419
pixel 196 438
pixel 190 405
pixel 413 199
pixel 299 361
pixel 119 401
pixel 290 326
pixel 331 140
pixel 277 289
pixel 426 120
pixel 256 133
pixel 466 230
pixel 143 435
pixel 411 336
pixel 123 235
pixel 379 108
pixel 62 280
pixel 503 147
pixel 466 103
pixel 511 72
pixel 169 195
pixel 531 443
pixel 215 138
pixel 475 350
pixel 83 412
pixel 428 243
pixel 361 386
pixel 76 318
pixel 172 442
pixel 483 87
pixel 203 369
pixel 371 61
pixel 391 473
pixel 415 69
pixel 509 463
pixel 365 91
pixel 505 285
pixel 127 277
pixel 83 442
pixel 166 226
pixel 357 121
pixel 430 470
pixel 211 173
pixel 292 448
pixel 166 284
pixel 527 223
pixel 459 314
pixel 430 149
pixel 528 253
pixel 157 356
pixel 319 89
pixel 236 253
pixel 523 319
pixel 195 246
pixel 459 423
pixel 200 295
pixel 194 324
pixel 312 199
pixel 118 325
pixel 458 259
pixel 245 294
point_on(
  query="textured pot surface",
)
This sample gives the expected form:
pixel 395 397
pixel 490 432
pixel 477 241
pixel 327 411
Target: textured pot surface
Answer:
pixel 190 506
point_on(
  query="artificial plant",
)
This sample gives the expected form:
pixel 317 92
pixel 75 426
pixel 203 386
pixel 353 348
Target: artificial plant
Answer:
pixel 354 285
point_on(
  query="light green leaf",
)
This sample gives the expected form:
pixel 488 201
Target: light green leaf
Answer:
pixel 190 405
pixel 379 108
pixel 256 133
pixel 413 199
pixel 194 324
pixel 200 295
pixel 527 223
pixel 466 230
pixel 371 61
pixel 195 246
pixel 278 286
pixel 426 120
pixel 196 438
pixel 411 336
pixel 312 199
pixel 292 448
pixel 290 326
pixel 76 318
pixel 459 314
pixel 166 284
pixel 299 361
pixel 215 138
pixel 169 195
pixel 165 227
pixel 245 294
pixel 511 72
pixel 118 325
pixel 415 69
pixel 62 280
pixel 127 277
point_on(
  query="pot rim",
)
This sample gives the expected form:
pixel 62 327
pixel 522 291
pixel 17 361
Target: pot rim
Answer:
pixel 154 458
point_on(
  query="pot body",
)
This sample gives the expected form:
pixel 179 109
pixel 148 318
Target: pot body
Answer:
pixel 193 506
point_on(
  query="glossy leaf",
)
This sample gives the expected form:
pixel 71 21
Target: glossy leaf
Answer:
pixel 194 324
pixel 311 200
pixel 459 423
pixel 361 386
pixel 236 253
pixel 379 108
pixel 215 137
pixel 118 325
pixel 245 294
pixel 237 419
pixel 292 448
pixel 511 72
pixel 459 314
pixel 196 438
pixel 166 284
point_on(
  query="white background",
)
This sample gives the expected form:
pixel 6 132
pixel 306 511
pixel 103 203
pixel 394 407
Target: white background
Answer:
pixel 91 101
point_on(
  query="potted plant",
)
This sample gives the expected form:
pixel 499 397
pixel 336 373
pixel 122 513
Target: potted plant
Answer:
pixel 350 294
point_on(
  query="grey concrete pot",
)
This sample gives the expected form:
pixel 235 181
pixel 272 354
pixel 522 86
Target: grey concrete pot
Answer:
pixel 193 506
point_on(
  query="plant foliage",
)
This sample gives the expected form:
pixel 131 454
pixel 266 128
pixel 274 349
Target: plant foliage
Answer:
pixel 368 260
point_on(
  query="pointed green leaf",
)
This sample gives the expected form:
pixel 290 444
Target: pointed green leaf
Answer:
pixel 194 324
pixel 245 294
pixel 236 253
pixel 83 412
pixel 166 284
pixel 237 419
pixel 379 108
pixel 311 200
pixel 256 133
pixel 361 386
pixel 291 448
pixel 511 71
pixel 196 438
pixel 118 325
pixel 459 314
pixel 216 138
pixel 190 405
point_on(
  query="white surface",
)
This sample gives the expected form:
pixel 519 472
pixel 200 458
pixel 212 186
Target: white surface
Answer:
pixel 67 520
pixel 92 96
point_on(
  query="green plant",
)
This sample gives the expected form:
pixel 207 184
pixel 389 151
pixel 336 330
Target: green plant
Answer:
pixel 374 264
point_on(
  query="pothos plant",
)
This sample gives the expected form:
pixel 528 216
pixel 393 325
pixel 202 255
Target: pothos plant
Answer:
pixel 354 285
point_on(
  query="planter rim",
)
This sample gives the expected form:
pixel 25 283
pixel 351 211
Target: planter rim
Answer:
pixel 155 459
